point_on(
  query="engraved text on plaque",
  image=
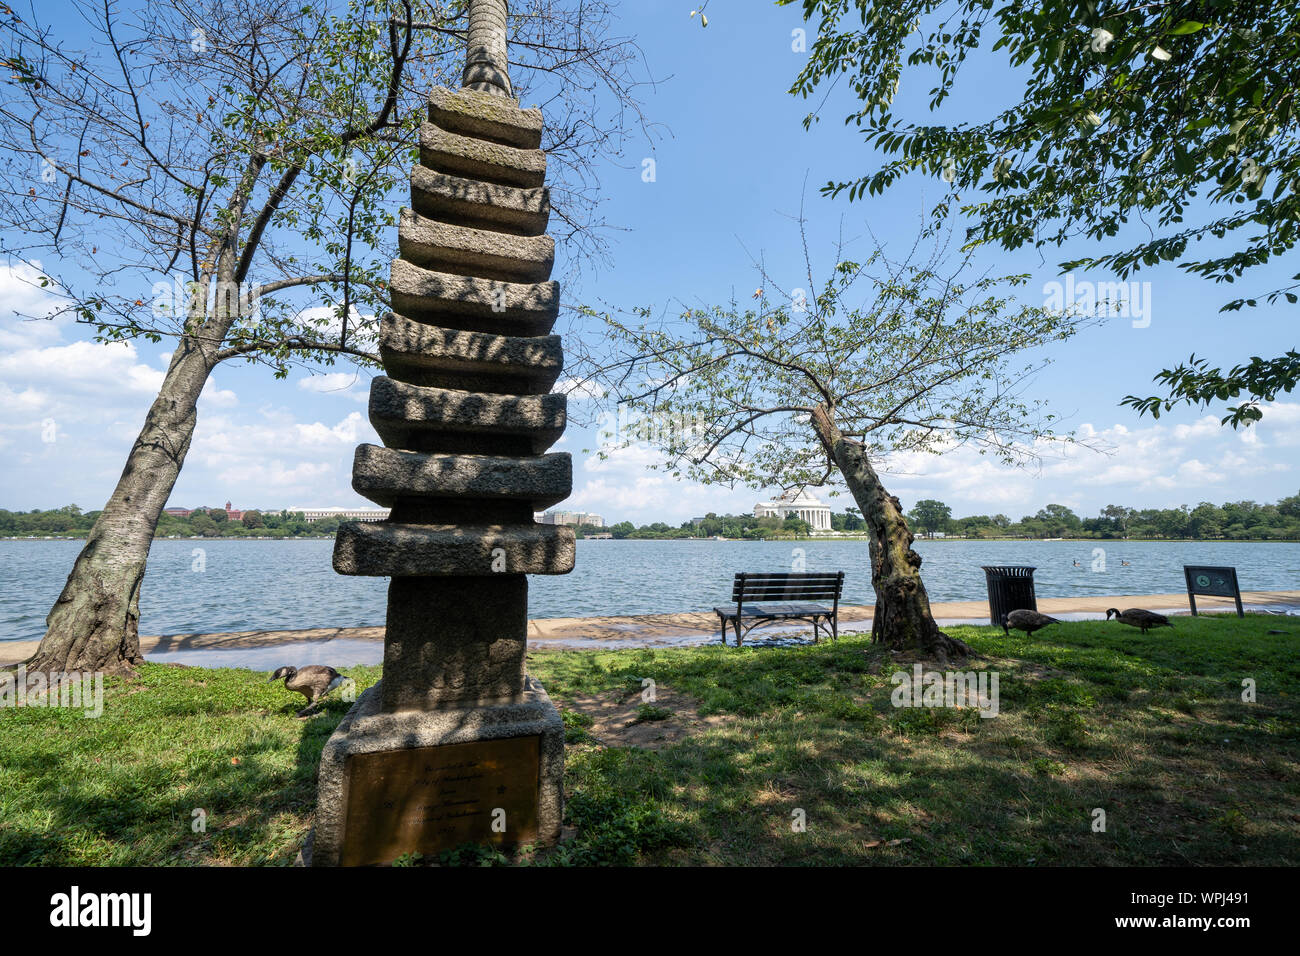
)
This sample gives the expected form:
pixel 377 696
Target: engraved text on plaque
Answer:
pixel 430 799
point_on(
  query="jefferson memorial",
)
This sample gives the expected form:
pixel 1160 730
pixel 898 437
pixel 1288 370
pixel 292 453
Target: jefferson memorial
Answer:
pixel 801 505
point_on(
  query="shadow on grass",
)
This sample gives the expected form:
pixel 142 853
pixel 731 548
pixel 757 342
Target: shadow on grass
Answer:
pixel 815 767
pixel 185 766
pixel 823 769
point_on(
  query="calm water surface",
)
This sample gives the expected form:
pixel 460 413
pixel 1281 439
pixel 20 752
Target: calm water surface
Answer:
pixel 265 585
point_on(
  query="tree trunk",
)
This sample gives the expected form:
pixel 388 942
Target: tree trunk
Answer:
pixel 94 625
pixel 902 618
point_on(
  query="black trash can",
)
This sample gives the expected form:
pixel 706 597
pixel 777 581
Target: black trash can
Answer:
pixel 1010 589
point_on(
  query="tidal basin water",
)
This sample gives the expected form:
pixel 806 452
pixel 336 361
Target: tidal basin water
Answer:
pixel 268 585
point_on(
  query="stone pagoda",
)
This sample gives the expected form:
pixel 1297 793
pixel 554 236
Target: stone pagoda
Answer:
pixel 457 744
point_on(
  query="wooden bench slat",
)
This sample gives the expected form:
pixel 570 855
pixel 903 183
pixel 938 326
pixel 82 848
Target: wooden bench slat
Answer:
pixel 781 595
pixel 774 609
pixel 758 585
pixel 792 578
pixel 788 575
pixel 792 589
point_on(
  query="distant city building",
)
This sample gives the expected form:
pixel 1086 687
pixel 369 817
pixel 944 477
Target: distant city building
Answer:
pixel 232 513
pixel 343 514
pixel 571 518
pixel 310 514
pixel 801 505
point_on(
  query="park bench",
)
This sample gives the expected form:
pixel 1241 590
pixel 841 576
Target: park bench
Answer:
pixel 764 598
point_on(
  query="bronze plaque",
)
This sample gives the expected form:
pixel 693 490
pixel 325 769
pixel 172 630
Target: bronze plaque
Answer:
pixel 429 799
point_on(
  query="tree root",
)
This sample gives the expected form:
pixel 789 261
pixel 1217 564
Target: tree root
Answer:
pixel 122 667
pixel 945 649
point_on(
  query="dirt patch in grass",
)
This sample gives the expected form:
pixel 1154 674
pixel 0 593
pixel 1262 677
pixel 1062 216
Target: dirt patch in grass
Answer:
pixel 623 719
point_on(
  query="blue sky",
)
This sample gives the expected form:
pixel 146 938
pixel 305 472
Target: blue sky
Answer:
pixel 730 171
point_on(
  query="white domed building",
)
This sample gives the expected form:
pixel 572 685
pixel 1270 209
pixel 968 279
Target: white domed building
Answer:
pixel 800 504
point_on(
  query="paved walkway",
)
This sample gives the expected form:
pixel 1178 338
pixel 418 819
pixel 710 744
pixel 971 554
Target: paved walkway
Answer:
pixel 647 630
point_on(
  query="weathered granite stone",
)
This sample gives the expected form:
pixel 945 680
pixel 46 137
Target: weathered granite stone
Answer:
pixel 442 648
pixel 467 202
pixel 474 361
pixel 367 729
pixel 385 475
pixel 477 305
pixel 438 419
pixel 390 549
pixel 486 66
pixel 463 156
pixel 456 732
pixel 476 252
pixel 496 118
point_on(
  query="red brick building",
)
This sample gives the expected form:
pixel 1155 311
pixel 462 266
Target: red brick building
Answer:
pixel 231 513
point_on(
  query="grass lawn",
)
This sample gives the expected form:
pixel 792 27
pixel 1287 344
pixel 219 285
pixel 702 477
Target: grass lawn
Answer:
pixel 1151 729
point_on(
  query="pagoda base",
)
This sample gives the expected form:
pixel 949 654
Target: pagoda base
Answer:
pixel 424 781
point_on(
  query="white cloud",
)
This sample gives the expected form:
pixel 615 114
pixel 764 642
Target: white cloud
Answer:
pixel 262 454
pixel 26 321
pixel 580 390
pixel 623 486
pixel 83 368
pixel 351 385
pixel 266 462
pixel 1151 465
pixel 363 330
pixel 276 475
pixel 70 410
pixel 213 397
pixel 329 382
pixel 1148 464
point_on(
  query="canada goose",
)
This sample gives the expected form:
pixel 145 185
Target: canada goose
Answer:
pixel 1077 564
pixel 1027 621
pixel 313 682
pixel 1136 617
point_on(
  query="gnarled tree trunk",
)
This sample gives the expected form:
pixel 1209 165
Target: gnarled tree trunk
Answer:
pixel 902 617
pixel 94 625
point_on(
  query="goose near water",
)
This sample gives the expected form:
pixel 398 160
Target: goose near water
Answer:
pixel 1027 621
pixel 313 682
pixel 1136 617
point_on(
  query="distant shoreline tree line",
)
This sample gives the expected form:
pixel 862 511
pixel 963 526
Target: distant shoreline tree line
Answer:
pixel 1231 521
pixel 71 521
pixel 728 526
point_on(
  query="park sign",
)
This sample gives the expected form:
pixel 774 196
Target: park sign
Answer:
pixel 1212 582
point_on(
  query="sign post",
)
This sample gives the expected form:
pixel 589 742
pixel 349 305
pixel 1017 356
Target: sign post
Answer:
pixel 1212 582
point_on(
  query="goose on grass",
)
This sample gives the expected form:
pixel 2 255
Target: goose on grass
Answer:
pixel 313 682
pixel 1027 621
pixel 1136 617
